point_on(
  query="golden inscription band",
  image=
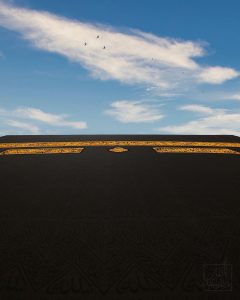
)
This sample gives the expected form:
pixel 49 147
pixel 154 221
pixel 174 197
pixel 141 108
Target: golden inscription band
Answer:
pixel 120 144
pixel 117 147
pixel 41 151
pixel 195 150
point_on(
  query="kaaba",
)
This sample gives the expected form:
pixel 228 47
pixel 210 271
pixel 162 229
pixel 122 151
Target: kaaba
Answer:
pixel 120 217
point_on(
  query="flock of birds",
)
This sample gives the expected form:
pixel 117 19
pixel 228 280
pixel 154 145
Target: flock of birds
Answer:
pixel 104 47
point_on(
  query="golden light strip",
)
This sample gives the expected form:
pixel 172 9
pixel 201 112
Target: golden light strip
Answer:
pixel 119 144
pixel 195 150
pixel 42 151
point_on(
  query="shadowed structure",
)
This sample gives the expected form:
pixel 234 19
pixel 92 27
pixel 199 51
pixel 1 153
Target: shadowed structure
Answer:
pixel 119 217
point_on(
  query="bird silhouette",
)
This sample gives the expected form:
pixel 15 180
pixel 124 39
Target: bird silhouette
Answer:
pixel 85 44
pixel 104 47
pixel 97 36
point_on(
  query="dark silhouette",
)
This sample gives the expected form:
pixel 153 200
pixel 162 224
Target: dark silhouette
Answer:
pixel 103 224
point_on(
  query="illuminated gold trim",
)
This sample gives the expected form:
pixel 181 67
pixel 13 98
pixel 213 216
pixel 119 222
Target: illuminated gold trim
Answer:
pixel 118 149
pixel 194 150
pixel 119 144
pixel 41 151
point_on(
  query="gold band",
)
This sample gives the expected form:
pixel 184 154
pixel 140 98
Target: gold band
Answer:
pixel 42 151
pixel 119 144
pixel 195 150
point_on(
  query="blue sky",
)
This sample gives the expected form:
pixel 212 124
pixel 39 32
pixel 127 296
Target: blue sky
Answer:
pixel 119 67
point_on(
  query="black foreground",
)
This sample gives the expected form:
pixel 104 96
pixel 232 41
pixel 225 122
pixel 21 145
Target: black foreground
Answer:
pixel 122 226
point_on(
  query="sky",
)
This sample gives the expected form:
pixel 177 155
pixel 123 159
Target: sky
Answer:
pixel 119 67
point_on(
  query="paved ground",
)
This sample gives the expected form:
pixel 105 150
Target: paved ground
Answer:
pixel 133 225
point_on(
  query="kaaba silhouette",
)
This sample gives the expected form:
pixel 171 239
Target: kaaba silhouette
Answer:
pixel 119 217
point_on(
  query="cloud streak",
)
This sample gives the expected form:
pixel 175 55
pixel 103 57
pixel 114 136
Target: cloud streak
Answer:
pixel 133 112
pixel 217 75
pixel 134 57
pixel 51 119
pixel 212 121
pixel 28 119
pixel 22 126
pixel 235 96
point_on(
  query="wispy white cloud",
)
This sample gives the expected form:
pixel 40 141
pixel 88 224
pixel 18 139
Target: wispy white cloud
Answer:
pixel 201 109
pixel 134 112
pixel 234 96
pixel 28 119
pixel 26 127
pixel 213 121
pixel 132 57
pixel 217 75
pixel 48 118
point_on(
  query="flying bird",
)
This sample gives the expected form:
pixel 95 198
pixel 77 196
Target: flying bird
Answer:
pixel 85 44
pixel 97 36
pixel 104 47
